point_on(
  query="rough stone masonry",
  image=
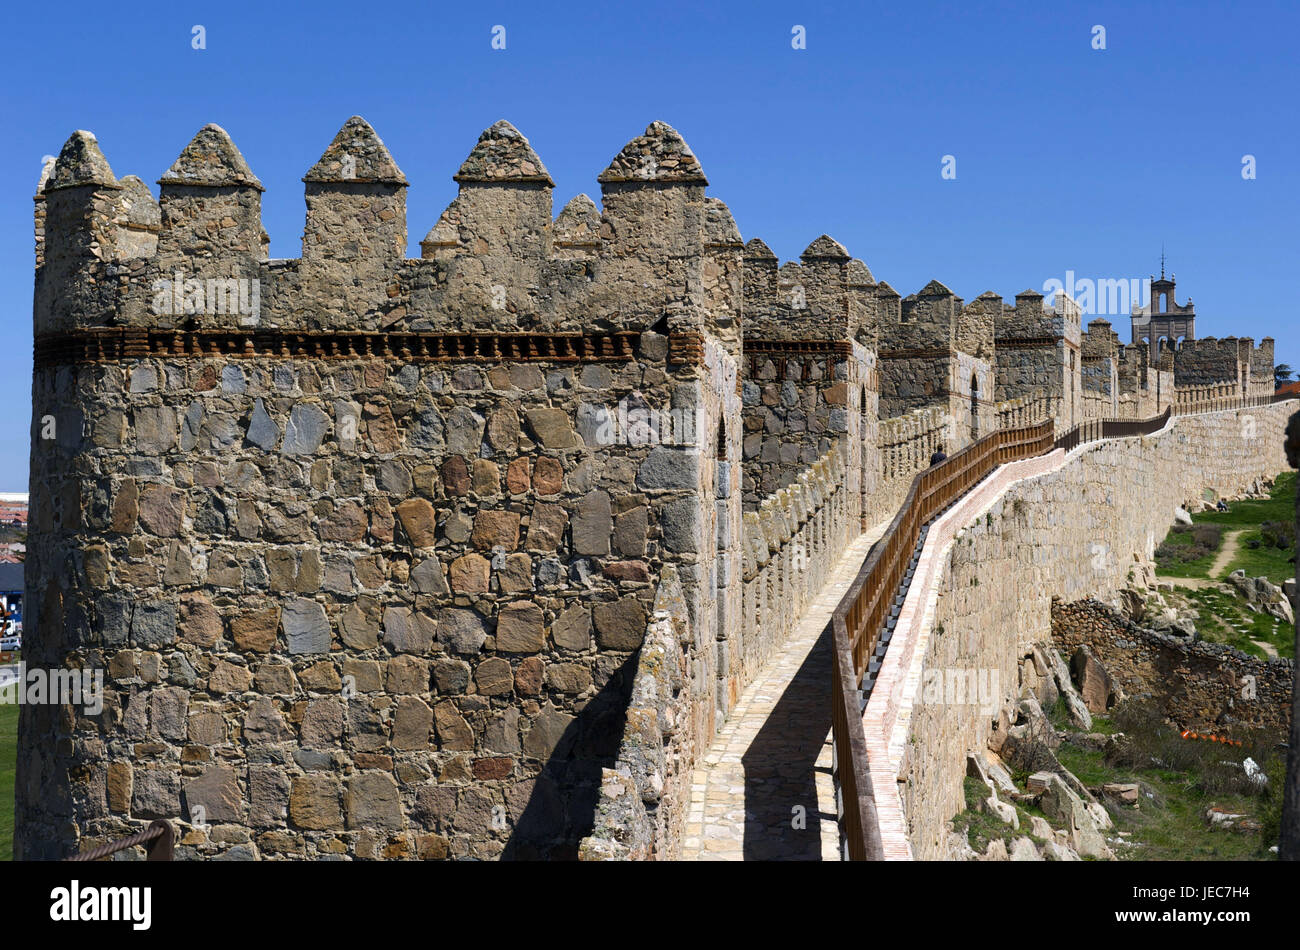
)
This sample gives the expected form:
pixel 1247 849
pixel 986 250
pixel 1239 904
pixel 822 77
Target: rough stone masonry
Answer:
pixel 367 547
pixel 357 540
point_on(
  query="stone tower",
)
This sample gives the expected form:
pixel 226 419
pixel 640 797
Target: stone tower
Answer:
pixel 364 546
pixel 1163 324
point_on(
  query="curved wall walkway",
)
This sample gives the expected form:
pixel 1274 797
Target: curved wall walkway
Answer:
pixel 1061 525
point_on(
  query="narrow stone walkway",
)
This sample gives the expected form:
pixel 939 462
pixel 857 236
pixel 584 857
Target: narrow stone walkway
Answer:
pixel 764 789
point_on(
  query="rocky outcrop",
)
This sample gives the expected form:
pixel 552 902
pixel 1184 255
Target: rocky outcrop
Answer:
pixel 1082 822
pixel 1263 595
pixel 1096 686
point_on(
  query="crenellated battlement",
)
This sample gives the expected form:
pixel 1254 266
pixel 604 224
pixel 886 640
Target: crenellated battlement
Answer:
pixel 494 260
pixel 825 295
pixel 463 484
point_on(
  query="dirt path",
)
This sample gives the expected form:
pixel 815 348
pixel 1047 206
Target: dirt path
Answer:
pixel 1231 545
pixel 1218 570
pixel 1267 647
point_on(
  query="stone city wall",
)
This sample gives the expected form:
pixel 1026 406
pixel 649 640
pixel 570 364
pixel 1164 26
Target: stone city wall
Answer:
pixel 1206 687
pixel 366 546
pixel 906 444
pixel 792 542
pixel 645 793
pixel 1073 533
pixel 1099 371
pixel 1145 391
pixel 794 538
pixel 795 406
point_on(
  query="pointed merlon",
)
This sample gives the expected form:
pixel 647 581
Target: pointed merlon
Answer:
pixel 446 231
pixel 47 169
pixel 825 248
pixel 884 290
pixel 859 274
pixel 503 154
pixel 211 160
pixel 989 295
pixel 758 251
pixel 719 226
pixel 1028 293
pixel 80 162
pixel 357 154
pixel 934 289
pixel 578 223
pixel 137 206
pixel 661 154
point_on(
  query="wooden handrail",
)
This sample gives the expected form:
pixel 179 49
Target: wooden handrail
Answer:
pixel 862 613
pixel 860 617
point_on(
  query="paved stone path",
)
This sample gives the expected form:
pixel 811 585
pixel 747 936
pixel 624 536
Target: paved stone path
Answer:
pixel 764 789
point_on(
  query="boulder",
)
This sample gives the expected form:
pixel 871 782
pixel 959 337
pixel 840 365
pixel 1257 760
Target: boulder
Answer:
pixel 1253 772
pixel 1126 793
pixel 1100 816
pixel 1003 811
pixel 1061 802
pixel 1223 818
pixel 1142 577
pixel 1045 688
pixel 1038 782
pixel 1032 738
pixel 959 848
pixel 1001 725
pixel 996 851
pixel 975 769
pixel 1133 604
pixel 1096 687
pixel 1022 849
pixel 1094 741
pixel 1001 778
pixel 1077 709
pixel 1055 851
pixel 1263 595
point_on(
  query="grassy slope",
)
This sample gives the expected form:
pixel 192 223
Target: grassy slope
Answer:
pixel 1225 618
pixel 8 765
pixel 1273 563
pixel 1169 823
pixel 1195 567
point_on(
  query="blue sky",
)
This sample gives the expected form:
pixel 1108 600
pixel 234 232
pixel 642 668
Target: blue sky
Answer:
pixel 1068 158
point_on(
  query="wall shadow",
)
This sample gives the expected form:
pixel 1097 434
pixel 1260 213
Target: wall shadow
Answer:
pixel 780 766
pixel 561 809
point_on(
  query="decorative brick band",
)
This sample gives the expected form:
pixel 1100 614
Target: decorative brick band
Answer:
pixel 917 353
pixel 1033 343
pixel 781 350
pixel 685 347
pixel 111 344
pixel 800 347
